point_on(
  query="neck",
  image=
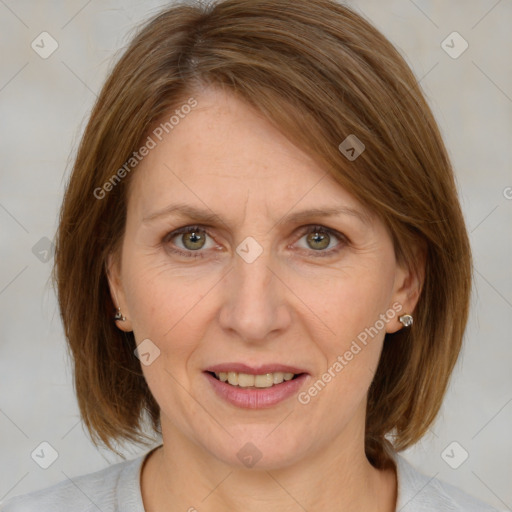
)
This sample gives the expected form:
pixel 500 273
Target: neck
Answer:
pixel 182 476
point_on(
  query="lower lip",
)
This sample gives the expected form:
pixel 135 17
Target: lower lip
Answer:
pixel 256 398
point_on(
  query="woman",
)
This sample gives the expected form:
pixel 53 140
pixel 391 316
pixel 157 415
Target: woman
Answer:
pixel 261 251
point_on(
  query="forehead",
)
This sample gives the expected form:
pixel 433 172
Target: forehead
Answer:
pixel 223 153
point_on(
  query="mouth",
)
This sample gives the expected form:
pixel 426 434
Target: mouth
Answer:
pixel 262 388
pixel 248 380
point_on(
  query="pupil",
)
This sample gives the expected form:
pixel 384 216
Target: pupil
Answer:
pixel 194 238
pixel 320 237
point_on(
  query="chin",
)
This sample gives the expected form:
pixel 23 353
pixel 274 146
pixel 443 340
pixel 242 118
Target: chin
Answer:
pixel 257 450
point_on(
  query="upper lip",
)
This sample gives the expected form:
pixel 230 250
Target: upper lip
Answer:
pixel 254 370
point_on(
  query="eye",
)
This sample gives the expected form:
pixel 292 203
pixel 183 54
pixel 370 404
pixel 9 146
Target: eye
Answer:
pixel 318 238
pixel 190 240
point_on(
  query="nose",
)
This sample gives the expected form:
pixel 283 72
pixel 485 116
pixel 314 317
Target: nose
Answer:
pixel 255 299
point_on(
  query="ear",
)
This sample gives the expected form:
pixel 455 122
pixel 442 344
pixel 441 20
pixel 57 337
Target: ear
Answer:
pixel 117 293
pixel 409 280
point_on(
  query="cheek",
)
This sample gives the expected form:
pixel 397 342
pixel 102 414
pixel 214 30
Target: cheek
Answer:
pixel 350 356
pixel 352 345
pixel 355 315
pixel 162 308
pixel 349 301
pixel 166 307
pixel 166 311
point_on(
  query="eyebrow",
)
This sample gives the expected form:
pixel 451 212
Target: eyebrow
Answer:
pixel 208 216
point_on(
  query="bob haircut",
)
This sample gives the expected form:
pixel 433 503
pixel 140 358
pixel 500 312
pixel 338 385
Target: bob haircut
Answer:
pixel 318 72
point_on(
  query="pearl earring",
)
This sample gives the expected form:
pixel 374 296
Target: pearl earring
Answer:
pixel 406 320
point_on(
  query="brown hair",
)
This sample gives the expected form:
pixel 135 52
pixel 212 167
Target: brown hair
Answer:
pixel 319 72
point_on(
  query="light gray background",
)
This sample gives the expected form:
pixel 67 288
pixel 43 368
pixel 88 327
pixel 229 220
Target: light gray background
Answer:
pixel 43 109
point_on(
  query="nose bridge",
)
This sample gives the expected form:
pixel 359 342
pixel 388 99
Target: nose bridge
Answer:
pixel 252 269
pixel 254 300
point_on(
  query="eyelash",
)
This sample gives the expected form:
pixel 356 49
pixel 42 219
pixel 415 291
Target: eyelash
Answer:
pixel 309 229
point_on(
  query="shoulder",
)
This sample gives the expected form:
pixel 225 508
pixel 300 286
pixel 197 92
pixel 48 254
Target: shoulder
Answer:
pixel 420 493
pixel 103 490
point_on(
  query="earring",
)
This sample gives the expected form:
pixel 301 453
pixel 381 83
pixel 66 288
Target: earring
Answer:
pixel 406 320
pixel 119 315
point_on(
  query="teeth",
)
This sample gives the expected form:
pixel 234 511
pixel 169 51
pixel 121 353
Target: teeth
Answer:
pixel 245 380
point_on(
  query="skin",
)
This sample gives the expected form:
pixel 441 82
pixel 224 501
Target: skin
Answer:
pixel 219 308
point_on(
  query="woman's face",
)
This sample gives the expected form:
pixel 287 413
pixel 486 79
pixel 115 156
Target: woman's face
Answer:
pixel 258 289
